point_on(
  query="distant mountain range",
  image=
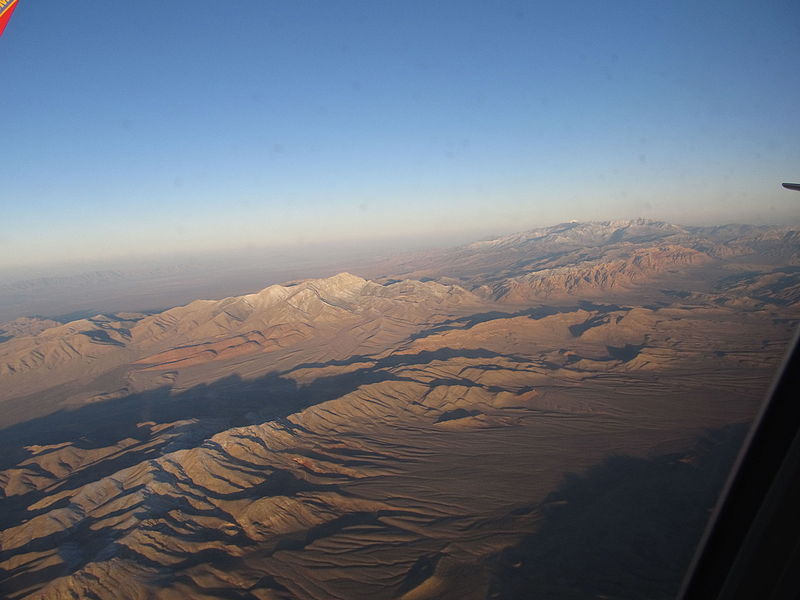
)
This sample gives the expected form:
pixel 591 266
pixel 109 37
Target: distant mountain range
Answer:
pixel 408 432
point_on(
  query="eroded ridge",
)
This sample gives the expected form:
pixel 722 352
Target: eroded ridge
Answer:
pixel 346 438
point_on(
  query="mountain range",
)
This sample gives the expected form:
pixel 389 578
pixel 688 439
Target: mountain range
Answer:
pixel 418 429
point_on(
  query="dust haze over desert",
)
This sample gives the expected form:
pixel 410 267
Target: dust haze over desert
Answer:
pixel 408 302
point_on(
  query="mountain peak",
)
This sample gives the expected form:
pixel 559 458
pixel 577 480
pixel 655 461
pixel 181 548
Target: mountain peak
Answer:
pixel 341 284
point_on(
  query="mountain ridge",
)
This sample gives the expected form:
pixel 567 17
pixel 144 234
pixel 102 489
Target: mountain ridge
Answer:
pixel 383 437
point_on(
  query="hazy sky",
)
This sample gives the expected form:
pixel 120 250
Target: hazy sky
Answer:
pixel 157 127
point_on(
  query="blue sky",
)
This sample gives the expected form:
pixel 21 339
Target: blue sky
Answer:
pixel 171 127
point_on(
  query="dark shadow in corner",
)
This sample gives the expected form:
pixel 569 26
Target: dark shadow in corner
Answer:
pixel 624 530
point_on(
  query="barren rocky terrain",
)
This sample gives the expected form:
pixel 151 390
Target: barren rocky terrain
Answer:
pixel 548 414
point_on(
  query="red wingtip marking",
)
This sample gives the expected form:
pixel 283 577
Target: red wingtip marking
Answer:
pixel 6 15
